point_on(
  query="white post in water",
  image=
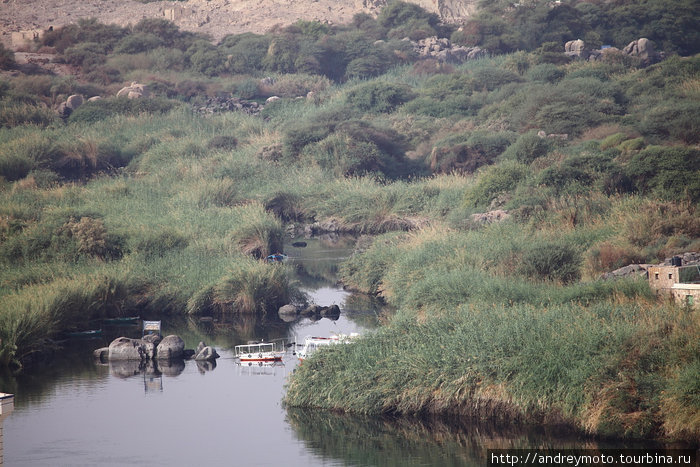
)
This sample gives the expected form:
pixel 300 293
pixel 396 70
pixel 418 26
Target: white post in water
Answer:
pixel 7 405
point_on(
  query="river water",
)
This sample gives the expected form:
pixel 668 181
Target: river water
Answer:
pixel 77 412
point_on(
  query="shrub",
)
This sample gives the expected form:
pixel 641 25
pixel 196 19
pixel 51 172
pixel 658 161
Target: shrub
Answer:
pixel 166 31
pixel 379 96
pixel 490 77
pixel 246 89
pixel 679 120
pixel 295 85
pixel 86 55
pixel 15 166
pixel 551 261
pixel 12 115
pixel 606 257
pixel 299 136
pixel 495 180
pixel 669 172
pixel 466 153
pixel 367 67
pixel 245 52
pixel 93 239
pixel 613 140
pixel 340 154
pixel 7 58
pixel 286 206
pixel 358 147
pixel 252 287
pixel 259 234
pixel 138 42
pixel 546 72
pixel 397 14
pixel 528 147
pixel 281 54
pixel 85 31
pixel 205 58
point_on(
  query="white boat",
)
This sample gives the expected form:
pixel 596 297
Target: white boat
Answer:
pixel 258 352
pixel 313 343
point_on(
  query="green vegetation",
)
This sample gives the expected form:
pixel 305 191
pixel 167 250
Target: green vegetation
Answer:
pixel 146 206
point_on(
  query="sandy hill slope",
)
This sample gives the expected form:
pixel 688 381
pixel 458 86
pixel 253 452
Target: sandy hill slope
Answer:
pixel 214 17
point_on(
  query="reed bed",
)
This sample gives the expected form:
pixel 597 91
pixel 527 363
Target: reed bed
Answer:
pixel 550 365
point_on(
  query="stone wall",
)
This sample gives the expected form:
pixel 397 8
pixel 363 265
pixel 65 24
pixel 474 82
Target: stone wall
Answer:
pixel 687 294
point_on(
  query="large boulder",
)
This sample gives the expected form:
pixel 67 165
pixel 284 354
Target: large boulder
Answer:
pixel 644 49
pixel 123 348
pixel 171 347
pixel 576 49
pixel 74 101
pixel 206 354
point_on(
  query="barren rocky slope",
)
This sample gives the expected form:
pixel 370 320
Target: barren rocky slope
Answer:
pixel 214 17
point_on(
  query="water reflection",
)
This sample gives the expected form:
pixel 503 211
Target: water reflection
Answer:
pixel 364 441
pixel 262 368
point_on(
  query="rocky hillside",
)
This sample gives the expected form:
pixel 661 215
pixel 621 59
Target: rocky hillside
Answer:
pixel 214 17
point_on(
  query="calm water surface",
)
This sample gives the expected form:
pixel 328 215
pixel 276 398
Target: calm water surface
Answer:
pixel 77 412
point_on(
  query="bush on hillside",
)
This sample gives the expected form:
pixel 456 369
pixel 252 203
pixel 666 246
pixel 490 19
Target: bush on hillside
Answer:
pixel 552 261
pixel 138 42
pixel 245 52
pixel 494 180
pixel 679 120
pixel 7 58
pixel 671 173
pixel 528 147
pixel 379 96
pixel 466 153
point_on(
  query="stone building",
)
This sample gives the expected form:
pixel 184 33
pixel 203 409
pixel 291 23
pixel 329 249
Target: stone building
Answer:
pixel 679 283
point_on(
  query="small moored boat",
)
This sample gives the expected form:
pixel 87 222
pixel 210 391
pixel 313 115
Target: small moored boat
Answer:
pixel 85 334
pixel 123 320
pixel 258 352
pixel 313 343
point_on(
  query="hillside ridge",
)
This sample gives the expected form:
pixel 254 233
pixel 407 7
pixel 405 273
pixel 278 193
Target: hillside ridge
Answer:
pixel 216 18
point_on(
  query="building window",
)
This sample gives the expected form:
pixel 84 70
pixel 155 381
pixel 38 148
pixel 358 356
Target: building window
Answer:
pixel 670 275
pixel 656 276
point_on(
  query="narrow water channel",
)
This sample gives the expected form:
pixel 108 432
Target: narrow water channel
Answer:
pixel 78 412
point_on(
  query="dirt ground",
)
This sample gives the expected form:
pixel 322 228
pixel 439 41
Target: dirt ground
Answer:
pixel 213 17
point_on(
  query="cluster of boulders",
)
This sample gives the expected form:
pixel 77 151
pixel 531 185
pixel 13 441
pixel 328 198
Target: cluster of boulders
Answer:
pixel 490 217
pixel 443 50
pixel 134 91
pixel 66 108
pixel 292 312
pixel 229 104
pixel 687 259
pixel 153 347
pixel 642 48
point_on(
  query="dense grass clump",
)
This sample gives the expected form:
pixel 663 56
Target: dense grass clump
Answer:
pixel 483 361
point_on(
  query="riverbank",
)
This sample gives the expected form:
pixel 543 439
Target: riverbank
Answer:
pixel 603 358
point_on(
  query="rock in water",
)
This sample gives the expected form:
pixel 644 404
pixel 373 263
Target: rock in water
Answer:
pixel 124 348
pixel 170 347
